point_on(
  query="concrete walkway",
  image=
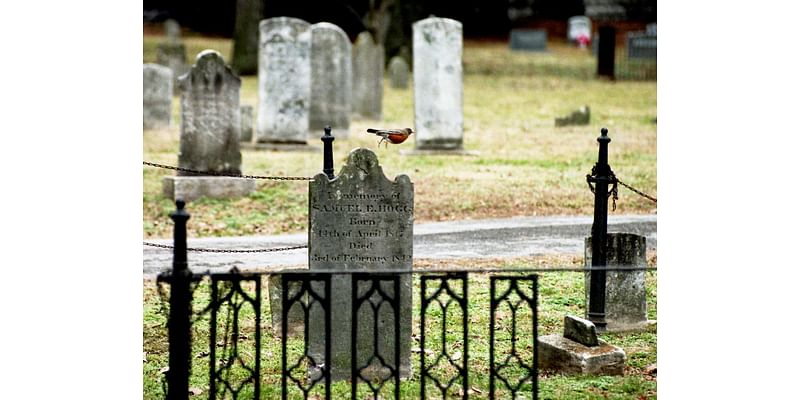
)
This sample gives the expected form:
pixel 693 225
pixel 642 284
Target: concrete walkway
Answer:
pixel 488 238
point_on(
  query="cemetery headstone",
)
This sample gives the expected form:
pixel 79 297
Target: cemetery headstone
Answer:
pixel 650 29
pixel 210 129
pixel 642 45
pixel 171 52
pixel 438 89
pixel 528 39
pixel 284 80
pixel 362 221
pixel 579 26
pixel 398 72
pixel 157 96
pixel 625 298
pixel 331 79
pixel 368 63
pixel 247 124
pixel 579 351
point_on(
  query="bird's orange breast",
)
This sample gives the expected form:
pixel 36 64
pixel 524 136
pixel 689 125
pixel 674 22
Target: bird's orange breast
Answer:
pixel 397 138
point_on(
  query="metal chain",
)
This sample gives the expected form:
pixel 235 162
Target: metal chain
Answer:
pixel 164 246
pixel 192 171
pixel 653 199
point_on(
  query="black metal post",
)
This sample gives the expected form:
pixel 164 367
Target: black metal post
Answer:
pixel 180 304
pixel 327 157
pixel 605 51
pixel 601 179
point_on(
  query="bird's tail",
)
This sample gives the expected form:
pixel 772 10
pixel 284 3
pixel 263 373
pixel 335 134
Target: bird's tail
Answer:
pixel 370 130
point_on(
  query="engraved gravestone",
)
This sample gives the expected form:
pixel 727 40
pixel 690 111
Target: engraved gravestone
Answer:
pixel 210 129
pixel 368 66
pixel 528 39
pixel 284 80
pixel 362 221
pixel 398 72
pixel 171 53
pixel 247 124
pixel 438 89
pixel 331 79
pixel 157 96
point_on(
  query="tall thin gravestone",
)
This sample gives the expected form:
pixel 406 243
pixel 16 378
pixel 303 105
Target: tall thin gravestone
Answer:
pixel 398 72
pixel 210 129
pixel 284 80
pixel 438 89
pixel 157 96
pixel 331 79
pixel 368 58
pixel 625 296
pixel 247 124
pixel 171 53
pixel 362 221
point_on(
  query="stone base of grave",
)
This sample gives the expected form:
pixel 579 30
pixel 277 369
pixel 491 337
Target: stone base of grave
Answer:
pixel 191 188
pixel 557 353
pixel 439 152
pixel 299 147
pixel 621 327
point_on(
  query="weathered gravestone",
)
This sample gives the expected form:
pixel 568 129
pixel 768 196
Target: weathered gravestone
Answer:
pixel 577 26
pixel 284 80
pixel 438 89
pixel 361 221
pixel 157 96
pixel 368 66
pixel 210 128
pixel 398 72
pixel 172 53
pixel 642 45
pixel 528 39
pixel 579 351
pixel 625 297
pixel 331 79
pixel 246 134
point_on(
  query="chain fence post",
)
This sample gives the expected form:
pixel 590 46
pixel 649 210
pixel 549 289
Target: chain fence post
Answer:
pixel 180 304
pixel 327 158
pixel 597 290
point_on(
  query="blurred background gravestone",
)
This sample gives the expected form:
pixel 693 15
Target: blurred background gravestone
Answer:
pixel 579 30
pixel 157 96
pixel 528 39
pixel 331 80
pixel 398 72
pixel 171 52
pixel 246 134
pixel 368 64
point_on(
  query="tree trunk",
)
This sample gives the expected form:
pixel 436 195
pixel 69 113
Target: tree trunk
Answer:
pixel 245 37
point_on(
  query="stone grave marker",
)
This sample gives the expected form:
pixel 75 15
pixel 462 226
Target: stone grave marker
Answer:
pixel 528 39
pixel 284 80
pixel 578 25
pixel 171 52
pixel 210 129
pixel 362 221
pixel 626 301
pixel 579 352
pixel 157 96
pixel 246 134
pixel 438 88
pixel 368 58
pixel 650 29
pixel 398 72
pixel 642 45
pixel 331 80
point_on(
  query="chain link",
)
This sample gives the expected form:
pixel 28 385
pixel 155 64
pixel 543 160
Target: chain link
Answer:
pixel 653 199
pixel 164 246
pixel 274 178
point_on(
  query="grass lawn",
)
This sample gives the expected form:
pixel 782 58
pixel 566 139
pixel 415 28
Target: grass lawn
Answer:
pixel 560 293
pixel 525 165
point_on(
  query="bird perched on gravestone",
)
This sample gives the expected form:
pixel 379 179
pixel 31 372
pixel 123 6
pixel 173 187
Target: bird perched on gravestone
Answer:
pixel 395 136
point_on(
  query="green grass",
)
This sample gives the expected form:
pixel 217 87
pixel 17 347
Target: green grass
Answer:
pixel 560 293
pixel 525 166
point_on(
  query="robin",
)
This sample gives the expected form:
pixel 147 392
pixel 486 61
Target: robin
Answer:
pixel 395 136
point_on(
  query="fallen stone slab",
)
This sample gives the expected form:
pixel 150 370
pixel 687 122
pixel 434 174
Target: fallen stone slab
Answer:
pixel 557 353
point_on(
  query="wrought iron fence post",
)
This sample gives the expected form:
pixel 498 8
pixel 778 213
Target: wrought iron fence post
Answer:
pixel 601 178
pixel 327 159
pixel 180 307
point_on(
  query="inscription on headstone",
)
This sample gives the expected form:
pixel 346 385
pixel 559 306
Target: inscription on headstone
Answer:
pixel 368 60
pixel 528 39
pixel 331 79
pixel 361 221
pixel 157 96
pixel 210 116
pixel 284 80
pixel 398 72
